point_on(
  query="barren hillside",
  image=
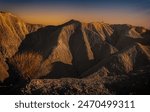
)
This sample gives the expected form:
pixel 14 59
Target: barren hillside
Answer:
pixel 73 58
pixel 12 31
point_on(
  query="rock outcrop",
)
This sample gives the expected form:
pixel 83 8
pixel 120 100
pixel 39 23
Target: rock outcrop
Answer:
pixel 72 54
pixel 12 31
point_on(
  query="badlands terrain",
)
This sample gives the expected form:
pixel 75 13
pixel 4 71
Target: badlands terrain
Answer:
pixel 73 58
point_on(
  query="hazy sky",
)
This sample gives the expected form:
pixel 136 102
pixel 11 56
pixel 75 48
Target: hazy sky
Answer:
pixel 136 12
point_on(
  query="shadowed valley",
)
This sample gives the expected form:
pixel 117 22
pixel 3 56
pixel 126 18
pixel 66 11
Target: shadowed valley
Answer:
pixel 73 58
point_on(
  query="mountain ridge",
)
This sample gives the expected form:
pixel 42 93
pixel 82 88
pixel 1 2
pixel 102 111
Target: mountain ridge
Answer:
pixel 73 50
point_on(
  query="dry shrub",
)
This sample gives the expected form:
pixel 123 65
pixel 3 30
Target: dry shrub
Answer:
pixel 27 64
pixel 45 68
pixel 3 68
pixel 3 72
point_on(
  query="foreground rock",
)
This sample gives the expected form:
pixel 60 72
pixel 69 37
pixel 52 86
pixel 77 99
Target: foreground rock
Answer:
pixel 73 58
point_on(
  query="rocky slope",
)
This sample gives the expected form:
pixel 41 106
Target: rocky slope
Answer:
pixel 72 58
pixel 12 31
pixel 70 49
pixel 74 48
pixel 137 82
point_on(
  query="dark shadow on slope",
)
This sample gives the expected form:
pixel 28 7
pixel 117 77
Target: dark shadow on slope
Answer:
pixel 12 85
pixel 77 46
pixel 111 62
pixel 42 41
pixel 95 42
pixel 146 38
pixel 61 70
pixel 137 83
pixel 118 40
pixel 80 59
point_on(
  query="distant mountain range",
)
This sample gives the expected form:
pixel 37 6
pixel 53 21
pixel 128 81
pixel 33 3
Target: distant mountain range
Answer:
pixel 73 58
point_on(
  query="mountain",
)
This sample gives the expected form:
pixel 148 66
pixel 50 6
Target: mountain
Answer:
pixel 12 31
pixel 72 55
pixel 70 49
pixel 3 68
pixel 133 48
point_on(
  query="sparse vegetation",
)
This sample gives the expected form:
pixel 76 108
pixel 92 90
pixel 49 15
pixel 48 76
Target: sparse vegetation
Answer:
pixel 73 58
pixel 3 69
pixel 3 72
pixel 26 64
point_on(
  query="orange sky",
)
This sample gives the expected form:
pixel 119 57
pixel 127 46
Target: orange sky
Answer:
pixel 55 16
pixel 59 14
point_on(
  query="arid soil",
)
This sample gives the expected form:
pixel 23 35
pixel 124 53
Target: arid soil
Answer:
pixel 73 58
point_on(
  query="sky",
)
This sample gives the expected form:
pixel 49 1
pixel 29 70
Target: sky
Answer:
pixel 54 12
